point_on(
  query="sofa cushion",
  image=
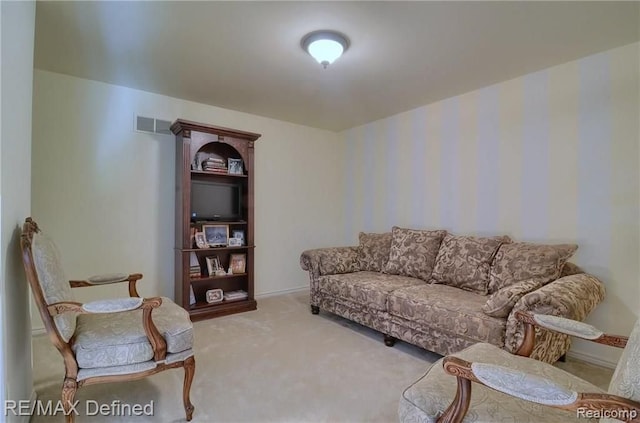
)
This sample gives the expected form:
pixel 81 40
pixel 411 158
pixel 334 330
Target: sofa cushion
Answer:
pixel 368 289
pixel 500 303
pixel 520 261
pixel 413 252
pixel 448 309
pixel 373 252
pixel 465 261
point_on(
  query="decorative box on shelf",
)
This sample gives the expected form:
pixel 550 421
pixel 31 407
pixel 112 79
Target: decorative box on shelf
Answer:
pixel 214 296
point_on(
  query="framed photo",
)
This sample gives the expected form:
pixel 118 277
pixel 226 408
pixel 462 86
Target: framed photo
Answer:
pixel 201 241
pixel 238 263
pixel 213 265
pixel 239 234
pixel 216 235
pixel 235 167
pixel 214 295
pixel 235 242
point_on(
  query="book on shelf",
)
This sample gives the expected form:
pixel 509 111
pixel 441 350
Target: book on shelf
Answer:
pixel 235 295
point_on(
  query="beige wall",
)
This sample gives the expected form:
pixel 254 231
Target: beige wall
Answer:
pixel 18 23
pixel 548 157
pixel 106 193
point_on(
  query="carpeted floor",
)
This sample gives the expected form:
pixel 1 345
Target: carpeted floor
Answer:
pixel 277 364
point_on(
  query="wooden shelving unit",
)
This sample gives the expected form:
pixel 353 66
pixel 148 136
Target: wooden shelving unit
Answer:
pixel 195 140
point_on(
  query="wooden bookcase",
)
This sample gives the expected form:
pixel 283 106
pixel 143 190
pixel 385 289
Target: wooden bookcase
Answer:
pixel 217 191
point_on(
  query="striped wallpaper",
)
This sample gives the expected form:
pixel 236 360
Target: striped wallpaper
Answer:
pixel 551 156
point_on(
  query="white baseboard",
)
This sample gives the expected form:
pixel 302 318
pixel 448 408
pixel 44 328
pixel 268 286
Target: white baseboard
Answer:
pixel 38 331
pixel 282 291
pixel 592 359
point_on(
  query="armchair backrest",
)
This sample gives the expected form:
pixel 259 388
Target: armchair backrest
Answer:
pixel 626 379
pixel 47 280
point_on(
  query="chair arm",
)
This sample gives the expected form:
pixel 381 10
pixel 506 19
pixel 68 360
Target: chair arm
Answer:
pixel 117 305
pixel 109 279
pixel 531 388
pixel 330 261
pixel 568 327
pixel 573 297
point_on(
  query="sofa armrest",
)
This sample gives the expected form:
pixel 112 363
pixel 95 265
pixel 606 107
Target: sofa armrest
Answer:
pixel 572 297
pixel 330 261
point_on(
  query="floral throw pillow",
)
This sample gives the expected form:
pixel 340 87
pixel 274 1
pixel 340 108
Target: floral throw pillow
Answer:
pixel 500 303
pixel 520 261
pixel 413 252
pixel 465 261
pixel 374 251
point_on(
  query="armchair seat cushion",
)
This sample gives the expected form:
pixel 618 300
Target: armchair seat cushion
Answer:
pixel 426 399
pixel 118 339
pixel 366 288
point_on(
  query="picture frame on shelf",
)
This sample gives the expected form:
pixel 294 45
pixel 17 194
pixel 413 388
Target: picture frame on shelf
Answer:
pixel 235 166
pixel 238 263
pixel 239 234
pixel 213 265
pixel 201 240
pixel 214 296
pixel 235 242
pixel 216 235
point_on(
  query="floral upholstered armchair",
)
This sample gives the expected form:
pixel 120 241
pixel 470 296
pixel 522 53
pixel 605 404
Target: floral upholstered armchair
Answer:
pixel 488 384
pixel 109 340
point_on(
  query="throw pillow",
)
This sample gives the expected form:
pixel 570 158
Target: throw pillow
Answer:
pixel 465 261
pixel 570 269
pixel 413 252
pixel 520 261
pixel 500 303
pixel 334 261
pixel 374 251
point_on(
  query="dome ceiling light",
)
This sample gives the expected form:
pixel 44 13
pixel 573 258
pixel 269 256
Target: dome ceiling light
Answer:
pixel 325 46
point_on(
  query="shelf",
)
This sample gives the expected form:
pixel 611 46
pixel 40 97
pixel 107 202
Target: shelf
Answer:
pixel 204 310
pixel 213 249
pixel 217 278
pixel 203 173
pixel 218 222
pixel 204 304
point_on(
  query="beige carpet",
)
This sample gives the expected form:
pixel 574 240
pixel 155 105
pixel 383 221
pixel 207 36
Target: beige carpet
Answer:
pixel 277 364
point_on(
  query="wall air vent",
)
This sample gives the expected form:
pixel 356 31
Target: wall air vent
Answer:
pixel 152 125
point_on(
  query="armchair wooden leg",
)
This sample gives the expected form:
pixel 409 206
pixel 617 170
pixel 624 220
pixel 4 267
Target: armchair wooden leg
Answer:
pixel 189 371
pixel 69 388
pixel 458 409
pixel 315 309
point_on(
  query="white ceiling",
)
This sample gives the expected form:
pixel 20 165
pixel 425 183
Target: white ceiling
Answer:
pixel 246 56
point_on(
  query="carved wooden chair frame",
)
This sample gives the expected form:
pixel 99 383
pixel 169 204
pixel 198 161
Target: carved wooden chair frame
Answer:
pixel 464 374
pixel 47 312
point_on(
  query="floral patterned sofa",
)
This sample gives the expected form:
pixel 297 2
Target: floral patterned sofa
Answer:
pixel 444 292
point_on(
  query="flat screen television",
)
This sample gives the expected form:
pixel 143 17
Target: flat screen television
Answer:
pixel 215 201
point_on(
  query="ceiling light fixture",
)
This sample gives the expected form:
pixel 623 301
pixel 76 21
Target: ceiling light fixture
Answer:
pixel 325 46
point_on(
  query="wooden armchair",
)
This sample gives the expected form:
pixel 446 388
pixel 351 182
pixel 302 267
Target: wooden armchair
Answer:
pixel 108 340
pixel 515 388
